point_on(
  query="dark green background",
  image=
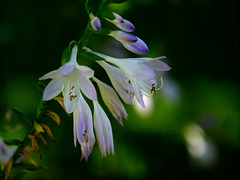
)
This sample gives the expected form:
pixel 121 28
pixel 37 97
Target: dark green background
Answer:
pixel 200 40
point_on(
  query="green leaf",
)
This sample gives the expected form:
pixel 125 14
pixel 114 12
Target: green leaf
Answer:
pixel 90 56
pixel 66 55
pixel 114 1
pixel 21 115
pixel 11 142
pixel 107 14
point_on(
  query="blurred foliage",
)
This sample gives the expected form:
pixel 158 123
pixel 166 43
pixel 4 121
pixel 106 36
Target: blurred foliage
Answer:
pixel 200 40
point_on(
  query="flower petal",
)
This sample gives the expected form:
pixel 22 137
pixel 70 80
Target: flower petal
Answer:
pixel 70 93
pixel 112 101
pixel 119 81
pixel 86 70
pixel 139 47
pixel 50 75
pixel 134 68
pixel 53 88
pixel 123 37
pixel 76 119
pixel 126 26
pixel 158 65
pixel 86 86
pixel 122 24
pixel 67 68
pixel 138 93
pixel 103 130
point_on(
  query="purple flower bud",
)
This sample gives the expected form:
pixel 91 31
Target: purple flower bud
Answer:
pixel 122 24
pixel 123 37
pixel 95 22
pixel 139 47
pixel 118 18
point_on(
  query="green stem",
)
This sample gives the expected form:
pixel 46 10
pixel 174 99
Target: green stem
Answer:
pixel 25 142
pixel 87 33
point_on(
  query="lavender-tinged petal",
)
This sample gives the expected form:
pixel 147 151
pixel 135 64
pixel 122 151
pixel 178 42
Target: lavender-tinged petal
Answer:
pixel 68 102
pixel 138 47
pixel 99 128
pixel 96 24
pixel 87 146
pixel 126 26
pixel 86 86
pixel 67 68
pixel 139 71
pixel 123 36
pixel 86 70
pixel 53 88
pixel 138 93
pixel 80 125
pixel 103 130
pixel 112 101
pixel 118 18
pixel 86 116
pixel 50 75
pixel 75 125
pixel 158 65
pixel 119 81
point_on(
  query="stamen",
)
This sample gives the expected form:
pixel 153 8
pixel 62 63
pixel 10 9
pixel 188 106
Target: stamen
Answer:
pixel 72 87
pixel 153 88
pixel 72 97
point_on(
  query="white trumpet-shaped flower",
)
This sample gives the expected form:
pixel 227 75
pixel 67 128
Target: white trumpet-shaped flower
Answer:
pixel 141 72
pixel 83 127
pixel 68 79
pixel 112 101
pixel 119 81
pixel 103 130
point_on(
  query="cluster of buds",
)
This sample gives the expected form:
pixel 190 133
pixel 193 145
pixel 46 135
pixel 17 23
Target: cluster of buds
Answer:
pixel 130 77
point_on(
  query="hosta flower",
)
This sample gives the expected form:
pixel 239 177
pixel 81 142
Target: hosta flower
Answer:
pixel 130 42
pixel 112 101
pixel 83 127
pixel 121 23
pixel 68 79
pixel 119 81
pixel 103 130
pixel 95 22
pixel 141 72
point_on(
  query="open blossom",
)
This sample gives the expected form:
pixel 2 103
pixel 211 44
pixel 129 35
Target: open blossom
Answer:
pixel 121 23
pixel 68 79
pixel 119 81
pixel 141 72
pixel 130 42
pixel 83 127
pixel 103 130
pixel 112 100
